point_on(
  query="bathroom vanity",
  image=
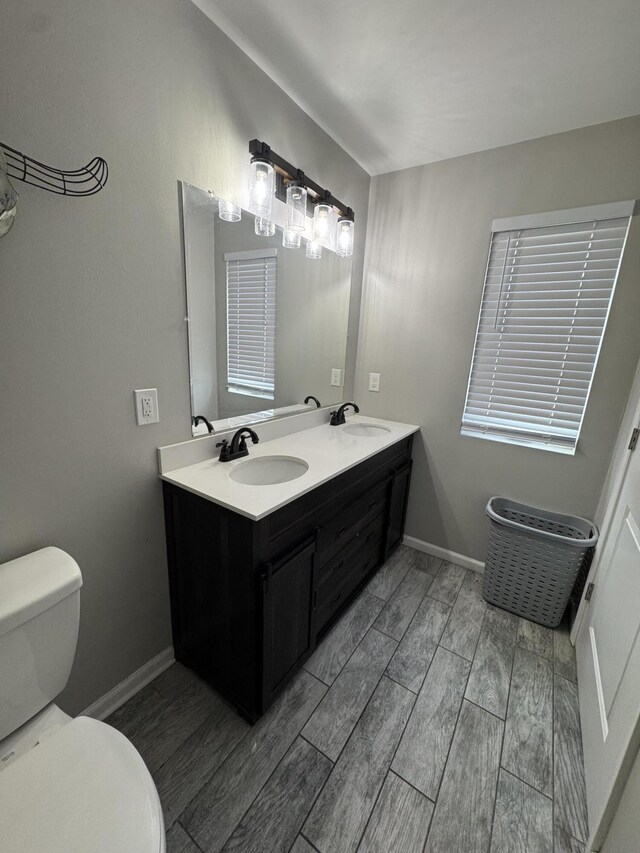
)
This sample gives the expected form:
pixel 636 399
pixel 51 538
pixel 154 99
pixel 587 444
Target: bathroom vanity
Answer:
pixel 259 572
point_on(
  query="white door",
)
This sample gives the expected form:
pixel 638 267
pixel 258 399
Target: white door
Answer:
pixel 608 652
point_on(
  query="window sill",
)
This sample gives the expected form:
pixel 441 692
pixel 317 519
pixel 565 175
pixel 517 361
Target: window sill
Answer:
pixel 522 442
pixel 251 392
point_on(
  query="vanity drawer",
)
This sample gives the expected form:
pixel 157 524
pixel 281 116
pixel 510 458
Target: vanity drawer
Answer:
pixel 319 507
pixel 329 573
pixel 342 528
pixel 336 594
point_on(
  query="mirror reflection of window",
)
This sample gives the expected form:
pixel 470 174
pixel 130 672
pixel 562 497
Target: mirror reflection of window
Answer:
pixel 251 322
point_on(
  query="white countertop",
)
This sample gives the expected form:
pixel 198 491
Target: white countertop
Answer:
pixel 327 450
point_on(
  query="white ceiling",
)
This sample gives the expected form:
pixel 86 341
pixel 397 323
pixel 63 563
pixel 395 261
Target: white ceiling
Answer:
pixel 403 83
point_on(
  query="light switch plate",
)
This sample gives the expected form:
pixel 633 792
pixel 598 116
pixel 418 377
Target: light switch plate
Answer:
pixel 374 382
pixel 336 376
pixel 146 406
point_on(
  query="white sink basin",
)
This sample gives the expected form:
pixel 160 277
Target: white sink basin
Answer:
pixel 370 430
pixel 268 470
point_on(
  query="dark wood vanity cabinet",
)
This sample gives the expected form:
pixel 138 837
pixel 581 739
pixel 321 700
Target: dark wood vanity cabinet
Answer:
pixel 287 617
pixel 251 599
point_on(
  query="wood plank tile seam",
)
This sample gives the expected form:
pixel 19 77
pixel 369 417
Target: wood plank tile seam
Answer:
pixel 391 824
pixel 337 821
pixel 449 751
pixel 383 675
pixel 502 744
pixel 311 744
pixel 302 835
pixel 438 707
pixel 364 709
pixel 262 789
pixel 412 729
pixel 475 704
pixel 388 772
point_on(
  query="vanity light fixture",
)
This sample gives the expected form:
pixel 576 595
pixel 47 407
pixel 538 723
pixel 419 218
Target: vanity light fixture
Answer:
pixel 322 223
pixel 264 227
pixel 313 250
pixel 296 206
pixel 291 239
pixel 344 238
pixel 228 211
pixel 261 186
pixel 300 192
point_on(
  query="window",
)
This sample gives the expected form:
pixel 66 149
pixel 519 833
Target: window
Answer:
pixel 547 292
pixel 251 322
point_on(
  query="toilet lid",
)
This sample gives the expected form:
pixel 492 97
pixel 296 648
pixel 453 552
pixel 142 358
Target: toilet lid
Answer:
pixel 85 789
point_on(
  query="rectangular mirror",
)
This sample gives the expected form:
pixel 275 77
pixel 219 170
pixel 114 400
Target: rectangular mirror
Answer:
pixel 267 325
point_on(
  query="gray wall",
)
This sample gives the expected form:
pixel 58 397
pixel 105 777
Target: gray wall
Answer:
pixel 427 244
pixel 92 295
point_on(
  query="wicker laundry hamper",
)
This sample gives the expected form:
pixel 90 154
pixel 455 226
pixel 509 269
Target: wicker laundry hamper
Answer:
pixel 533 559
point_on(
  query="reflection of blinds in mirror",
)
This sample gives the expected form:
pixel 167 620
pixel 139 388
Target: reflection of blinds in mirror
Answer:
pixel 251 322
pixel 547 294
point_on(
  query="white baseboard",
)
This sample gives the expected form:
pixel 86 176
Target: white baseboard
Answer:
pixel 111 701
pixel 444 554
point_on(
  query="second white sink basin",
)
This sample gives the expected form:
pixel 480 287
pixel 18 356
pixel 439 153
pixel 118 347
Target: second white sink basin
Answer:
pixel 369 430
pixel 268 470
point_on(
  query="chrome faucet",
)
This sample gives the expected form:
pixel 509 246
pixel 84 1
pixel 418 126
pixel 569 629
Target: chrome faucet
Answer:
pixel 237 448
pixel 338 418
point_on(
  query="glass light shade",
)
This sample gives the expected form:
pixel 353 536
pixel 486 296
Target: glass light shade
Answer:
pixel 296 207
pixel 322 223
pixel 314 250
pixel 261 187
pixel 291 239
pixel 264 227
pixel 228 211
pixel 344 240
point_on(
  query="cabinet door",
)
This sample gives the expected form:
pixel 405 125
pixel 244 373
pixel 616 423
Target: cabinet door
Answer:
pixel 398 507
pixel 287 593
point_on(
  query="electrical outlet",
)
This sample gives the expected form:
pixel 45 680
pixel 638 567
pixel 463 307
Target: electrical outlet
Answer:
pixel 374 382
pixel 146 406
pixel 336 376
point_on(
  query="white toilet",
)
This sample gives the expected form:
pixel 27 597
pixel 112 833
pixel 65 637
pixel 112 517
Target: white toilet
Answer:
pixel 66 785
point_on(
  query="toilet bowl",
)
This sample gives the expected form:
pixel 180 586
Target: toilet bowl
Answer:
pixel 66 785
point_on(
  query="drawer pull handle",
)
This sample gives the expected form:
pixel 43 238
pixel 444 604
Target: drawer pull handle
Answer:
pixel 336 598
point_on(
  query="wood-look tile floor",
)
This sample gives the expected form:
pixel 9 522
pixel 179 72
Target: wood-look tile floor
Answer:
pixel 427 721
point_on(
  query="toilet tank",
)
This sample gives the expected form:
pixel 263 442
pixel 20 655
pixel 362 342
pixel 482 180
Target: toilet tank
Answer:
pixel 39 617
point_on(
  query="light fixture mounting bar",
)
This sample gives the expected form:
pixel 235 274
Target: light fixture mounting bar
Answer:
pixel 291 173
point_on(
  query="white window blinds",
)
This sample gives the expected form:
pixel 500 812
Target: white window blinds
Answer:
pixel 548 289
pixel 251 322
